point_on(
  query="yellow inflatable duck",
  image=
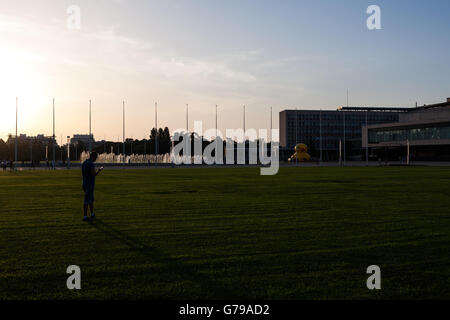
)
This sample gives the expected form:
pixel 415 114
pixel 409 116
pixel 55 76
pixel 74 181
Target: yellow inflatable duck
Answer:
pixel 301 153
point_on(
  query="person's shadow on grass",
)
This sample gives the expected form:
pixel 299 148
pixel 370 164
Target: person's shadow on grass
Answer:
pixel 187 272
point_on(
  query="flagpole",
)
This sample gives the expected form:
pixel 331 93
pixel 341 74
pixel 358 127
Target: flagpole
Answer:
pixel 344 151
pixel 123 133
pixel 296 127
pixel 156 130
pixel 320 120
pixel 271 126
pixel 187 118
pixel 54 137
pixel 90 128
pixel 15 142
pixel 244 123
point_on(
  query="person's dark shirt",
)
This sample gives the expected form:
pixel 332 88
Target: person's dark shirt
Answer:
pixel 86 169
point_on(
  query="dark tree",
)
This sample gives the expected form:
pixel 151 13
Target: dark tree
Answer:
pixel 3 150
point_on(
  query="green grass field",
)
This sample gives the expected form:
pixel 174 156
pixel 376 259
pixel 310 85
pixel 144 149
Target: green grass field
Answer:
pixel 307 233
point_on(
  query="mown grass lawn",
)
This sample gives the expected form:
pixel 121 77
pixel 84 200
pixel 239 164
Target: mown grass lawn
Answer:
pixel 306 233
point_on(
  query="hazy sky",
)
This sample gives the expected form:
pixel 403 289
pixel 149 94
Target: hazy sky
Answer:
pixel 257 53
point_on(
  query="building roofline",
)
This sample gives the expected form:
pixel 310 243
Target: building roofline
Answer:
pixel 370 109
pixel 431 106
pixel 407 124
pixel 376 109
pixel 379 109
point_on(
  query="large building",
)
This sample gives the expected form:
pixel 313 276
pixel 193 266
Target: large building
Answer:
pixel 23 138
pixel 83 138
pixel 323 130
pixel 425 129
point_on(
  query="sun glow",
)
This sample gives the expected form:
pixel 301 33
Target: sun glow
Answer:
pixel 19 78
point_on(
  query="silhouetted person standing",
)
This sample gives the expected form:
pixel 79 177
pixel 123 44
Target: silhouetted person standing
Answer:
pixel 89 174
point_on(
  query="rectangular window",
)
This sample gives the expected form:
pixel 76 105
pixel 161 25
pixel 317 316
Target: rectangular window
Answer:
pixel 427 133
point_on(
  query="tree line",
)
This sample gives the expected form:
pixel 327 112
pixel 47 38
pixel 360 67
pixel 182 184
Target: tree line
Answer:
pixel 40 150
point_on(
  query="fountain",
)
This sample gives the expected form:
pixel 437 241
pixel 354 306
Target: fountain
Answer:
pixel 112 158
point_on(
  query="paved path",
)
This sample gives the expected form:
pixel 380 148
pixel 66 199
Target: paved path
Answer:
pixel 300 165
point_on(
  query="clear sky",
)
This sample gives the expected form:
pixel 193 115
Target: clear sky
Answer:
pixel 257 53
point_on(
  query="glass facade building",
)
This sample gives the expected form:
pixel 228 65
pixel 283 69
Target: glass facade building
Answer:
pixel 424 130
pixel 412 134
pixel 322 130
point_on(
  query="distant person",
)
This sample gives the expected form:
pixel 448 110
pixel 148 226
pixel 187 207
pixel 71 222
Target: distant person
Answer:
pixel 4 164
pixel 89 174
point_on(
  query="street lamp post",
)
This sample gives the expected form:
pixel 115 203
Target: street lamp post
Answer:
pixel 407 152
pixel 320 135
pixel 367 142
